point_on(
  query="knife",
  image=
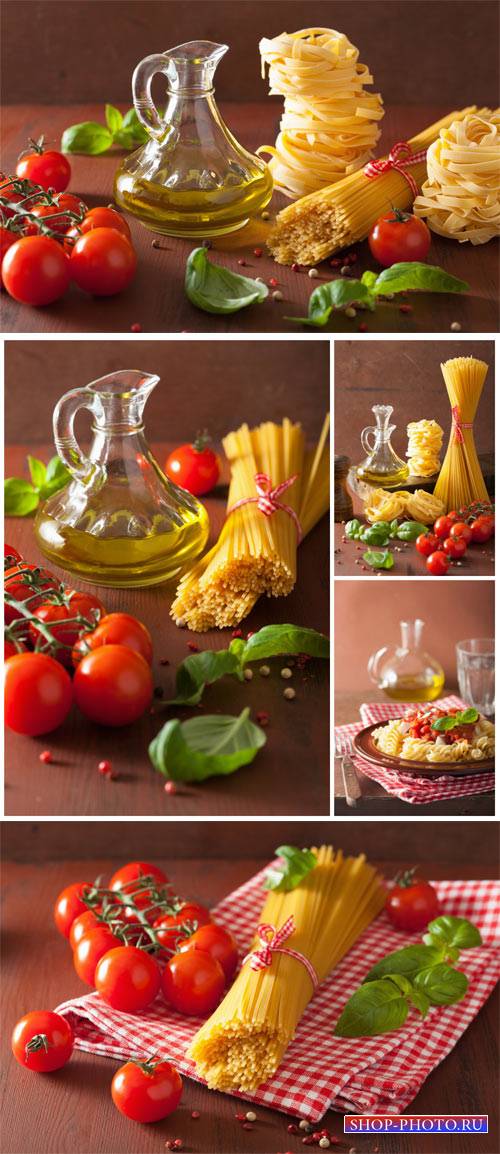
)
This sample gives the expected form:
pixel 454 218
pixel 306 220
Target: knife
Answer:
pixel 352 788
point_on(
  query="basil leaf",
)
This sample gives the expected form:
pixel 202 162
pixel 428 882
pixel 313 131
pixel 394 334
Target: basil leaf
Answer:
pixel 274 640
pixel 199 670
pixel 57 471
pixel 468 717
pixel 205 746
pixel 414 275
pixel 20 498
pixel 218 290
pixel 442 985
pixel 88 138
pixel 294 866
pixel 456 932
pixel 407 961
pixel 335 294
pixel 114 118
pixel 369 279
pixel 375 1008
pixel 393 528
pixel 410 530
pixel 37 471
pixel 443 724
pixel 419 1000
pixel 131 124
pixel 125 138
pixel 379 559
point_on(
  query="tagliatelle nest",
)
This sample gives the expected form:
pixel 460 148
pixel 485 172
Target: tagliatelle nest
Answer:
pixel 461 196
pixel 420 506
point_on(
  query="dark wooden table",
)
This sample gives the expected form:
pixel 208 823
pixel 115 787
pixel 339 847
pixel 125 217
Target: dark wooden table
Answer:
pixel 479 561
pixel 298 730
pixel 72 1110
pixel 374 800
pixel 156 300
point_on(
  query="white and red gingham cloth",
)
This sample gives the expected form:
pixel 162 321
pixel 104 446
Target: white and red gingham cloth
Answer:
pixel 319 1071
pixel 408 786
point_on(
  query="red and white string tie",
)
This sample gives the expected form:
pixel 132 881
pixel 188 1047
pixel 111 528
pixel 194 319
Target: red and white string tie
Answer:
pixel 400 158
pixel 458 424
pixel 267 499
pixel 271 941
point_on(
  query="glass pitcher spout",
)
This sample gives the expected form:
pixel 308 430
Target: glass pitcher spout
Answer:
pixel 192 178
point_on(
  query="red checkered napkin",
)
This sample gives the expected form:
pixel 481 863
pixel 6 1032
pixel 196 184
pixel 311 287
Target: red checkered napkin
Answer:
pixel 361 1074
pixel 407 786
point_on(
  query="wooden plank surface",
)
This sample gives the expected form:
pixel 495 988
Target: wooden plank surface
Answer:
pixel 374 800
pixel 156 300
pixel 479 561
pixel 297 736
pixel 72 1109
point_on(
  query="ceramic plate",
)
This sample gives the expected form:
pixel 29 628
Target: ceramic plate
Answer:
pixel 364 745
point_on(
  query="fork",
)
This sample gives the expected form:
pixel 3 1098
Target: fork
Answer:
pixel 344 750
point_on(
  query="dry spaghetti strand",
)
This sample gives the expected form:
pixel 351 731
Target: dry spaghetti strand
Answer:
pixel 343 213
pixel 329 127
pixel 461 481
pixel 244 1041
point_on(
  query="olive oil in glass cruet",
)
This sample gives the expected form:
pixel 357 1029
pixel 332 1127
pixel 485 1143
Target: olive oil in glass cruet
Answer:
pixel 382 465
pixel 191 178
pixel 119 521
pixel 406 672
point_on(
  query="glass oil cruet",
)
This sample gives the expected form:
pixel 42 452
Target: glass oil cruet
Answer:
pixel 119 521
pixel 191 178
pixel 406 672
pixel 382 464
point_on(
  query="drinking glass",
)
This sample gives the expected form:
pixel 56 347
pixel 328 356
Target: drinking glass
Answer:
pixel 476 673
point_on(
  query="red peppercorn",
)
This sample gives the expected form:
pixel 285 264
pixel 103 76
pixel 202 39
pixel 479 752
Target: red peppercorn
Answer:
pixel 240 1117
pixel 247 1126
pixel 194 648
pixel 335 263
pixel 295 267
pixel 262 719
pixel 46 757
pixel 195 1113
pixel 251 634
pixel 258 251
pixel 105 768
pixel 242 262
pixel 237 633
pixel 292 1128
pixel 170 787
pixel 164 661
pixel 136 328
pixel 273 282
pixel 362 328
pixel 405 309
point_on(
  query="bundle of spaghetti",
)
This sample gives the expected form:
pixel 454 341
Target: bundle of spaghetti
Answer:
pixel 461 481
pixel 329 124
pixel 425 439
pixel 243 1042
pixel 257 553
pixel 461 196
pixel 343 213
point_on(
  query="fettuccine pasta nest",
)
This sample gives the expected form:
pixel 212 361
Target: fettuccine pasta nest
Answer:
pixel 420 506
pixel 461 196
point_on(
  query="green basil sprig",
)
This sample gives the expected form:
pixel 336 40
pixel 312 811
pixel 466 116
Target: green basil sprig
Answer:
pixel 407 276
pixel 466 717
pixel 418 975
pixel 207 746
pixel 201 669
pixel 294 865
pixel 22 497
pixel 379 558
pixel 92 139
pixel 410 530
pixel 218 290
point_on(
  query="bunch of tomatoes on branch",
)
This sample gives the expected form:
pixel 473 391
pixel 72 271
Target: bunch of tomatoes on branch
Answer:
pixel 49 238
pixel 134 940
pixel 52 630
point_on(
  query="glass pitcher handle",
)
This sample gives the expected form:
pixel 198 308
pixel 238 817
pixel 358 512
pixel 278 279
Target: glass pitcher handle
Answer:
pixel 141 92
pixel 68 449
pixel 365 439
pixel 374 664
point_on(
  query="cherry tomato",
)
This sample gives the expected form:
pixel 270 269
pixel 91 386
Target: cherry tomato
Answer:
pixel 103 217
pixel 427 543
pixel 45 212
pixel 438 563
pixel 90 949
pixel 442 527
pixel 218 943
pixel 38 694
pixel 10 650
pixel 194 467
pixel 42 1041
pixel 68 202
pixel 455 547
pixel 193 983
pixel 462 530
pixel 85 605
pixel 69 905
pixel 81 926
pixel 398 236
pixel 482 529
pixel 22 582
pixel 146 1091
pixel 103 262
pixel 113 685
pixel 10 556
pixel 412 903
pixel 50 169
pixel 169 927
pixel 7 238
pixel 128 979
pixel 117 629
pixel 35 270
pixel 124 879
pixel 55 616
